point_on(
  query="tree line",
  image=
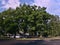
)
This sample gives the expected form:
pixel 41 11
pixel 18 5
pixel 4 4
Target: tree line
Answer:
pixel 33 20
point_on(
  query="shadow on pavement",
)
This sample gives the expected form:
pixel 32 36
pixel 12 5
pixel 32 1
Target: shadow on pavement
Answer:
pixel 36 42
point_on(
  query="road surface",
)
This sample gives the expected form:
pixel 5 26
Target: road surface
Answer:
pixel 30 42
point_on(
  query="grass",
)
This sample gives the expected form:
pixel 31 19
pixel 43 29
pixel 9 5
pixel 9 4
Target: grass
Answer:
pixel 40 38
pixel 28 39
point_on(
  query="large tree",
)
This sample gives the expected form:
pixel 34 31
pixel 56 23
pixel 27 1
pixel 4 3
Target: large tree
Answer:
pixel 28 19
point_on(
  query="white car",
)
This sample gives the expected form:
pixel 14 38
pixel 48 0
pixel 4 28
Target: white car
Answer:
pixel 17 36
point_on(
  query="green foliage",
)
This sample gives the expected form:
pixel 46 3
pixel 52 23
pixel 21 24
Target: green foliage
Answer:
pixel 29 19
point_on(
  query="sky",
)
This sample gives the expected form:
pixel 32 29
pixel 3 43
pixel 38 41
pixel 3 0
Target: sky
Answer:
pixel 53 6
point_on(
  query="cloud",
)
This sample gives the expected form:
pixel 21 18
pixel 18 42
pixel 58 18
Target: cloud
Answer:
pixel 53 6
pixel 41 2
pixel 10 3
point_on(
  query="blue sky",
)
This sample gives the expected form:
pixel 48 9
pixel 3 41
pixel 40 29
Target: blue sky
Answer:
pixel 53 6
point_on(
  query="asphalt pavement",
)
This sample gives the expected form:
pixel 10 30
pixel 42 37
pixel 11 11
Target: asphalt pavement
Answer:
pixel 30 42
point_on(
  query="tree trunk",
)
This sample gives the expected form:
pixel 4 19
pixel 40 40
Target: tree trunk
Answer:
pixel 14 35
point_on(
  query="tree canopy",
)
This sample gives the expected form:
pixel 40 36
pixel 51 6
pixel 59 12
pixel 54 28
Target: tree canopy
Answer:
pixel 29 19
